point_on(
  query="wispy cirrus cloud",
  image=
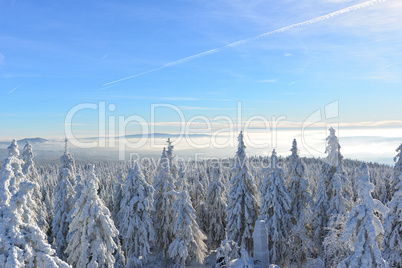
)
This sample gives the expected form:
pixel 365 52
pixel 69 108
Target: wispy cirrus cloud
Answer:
pixel 248 40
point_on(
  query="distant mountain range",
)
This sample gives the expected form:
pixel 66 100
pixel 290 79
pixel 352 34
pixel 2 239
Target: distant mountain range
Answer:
pixel 22 142
pixel 159 136
pixel 166 135
pixel 39 140
pixel 32 140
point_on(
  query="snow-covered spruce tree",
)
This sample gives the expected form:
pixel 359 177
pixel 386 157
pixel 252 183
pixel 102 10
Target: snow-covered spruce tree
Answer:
pixel 339 192
pixel 22 242
pixel 301 244
pixel 198 202
pixel 16 164
pixel 14 177
pixel 181 183
pixel 197 192
pixel 189 239
pixel 335 248
pixel 163 202
pixel 31 173
pixel 336 198
pixel 106 188
pixel 120 259
pixel 64 195
pixel 67 160
pixel 48 195
pixel 79 187
pixel 243 206
pixel 29 168
pixel 216 209
pixel 300 241
pixel 339 203
pixel 275 207
pixel 392 244
pixel 117 197
pixel 245 257
pixel 397 169
pixel 298 186
pixel 6 174
pixel 172 161
pixel 202 217
pixel 363 227
pixel 319 214
pixel 93 230
pixel 136 229
pixel 226 252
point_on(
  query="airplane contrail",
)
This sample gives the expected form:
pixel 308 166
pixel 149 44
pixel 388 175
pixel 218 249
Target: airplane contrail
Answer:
pixel 264 35
pixel 13 89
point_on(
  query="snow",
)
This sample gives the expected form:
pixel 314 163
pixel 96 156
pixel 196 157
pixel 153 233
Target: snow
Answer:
pixel 243 207
pixel 313 213
pixel 275 211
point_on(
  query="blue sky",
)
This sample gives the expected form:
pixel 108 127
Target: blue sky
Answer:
pixel 57 54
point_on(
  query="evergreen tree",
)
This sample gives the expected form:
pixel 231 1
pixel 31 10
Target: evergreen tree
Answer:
pixel 29 168
pixel 92 229
pixel 363 227
pixel 300 241
pixel 226 252
pixel 301 244
pixel 120 259
pixel 298 186
pixel 117 197
pixel 216 209
pixel 22 243
pixel 392 244
pixel 172 161
pixel 181 183
pixel 6 174
pixel 31 173
pixel 243 206
pixel 67 161
pixel 136 227
pixel 338 185
pixel 16 164
pixel 275 208
pixel 63 202
pixel 197 193
pixel 79 187
pixel 163 202
pixel 319 213
pixel 335 202
pixel 189 239
pixel 397 169
pixel 198 202
pixel 202 217
pixel 335 248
